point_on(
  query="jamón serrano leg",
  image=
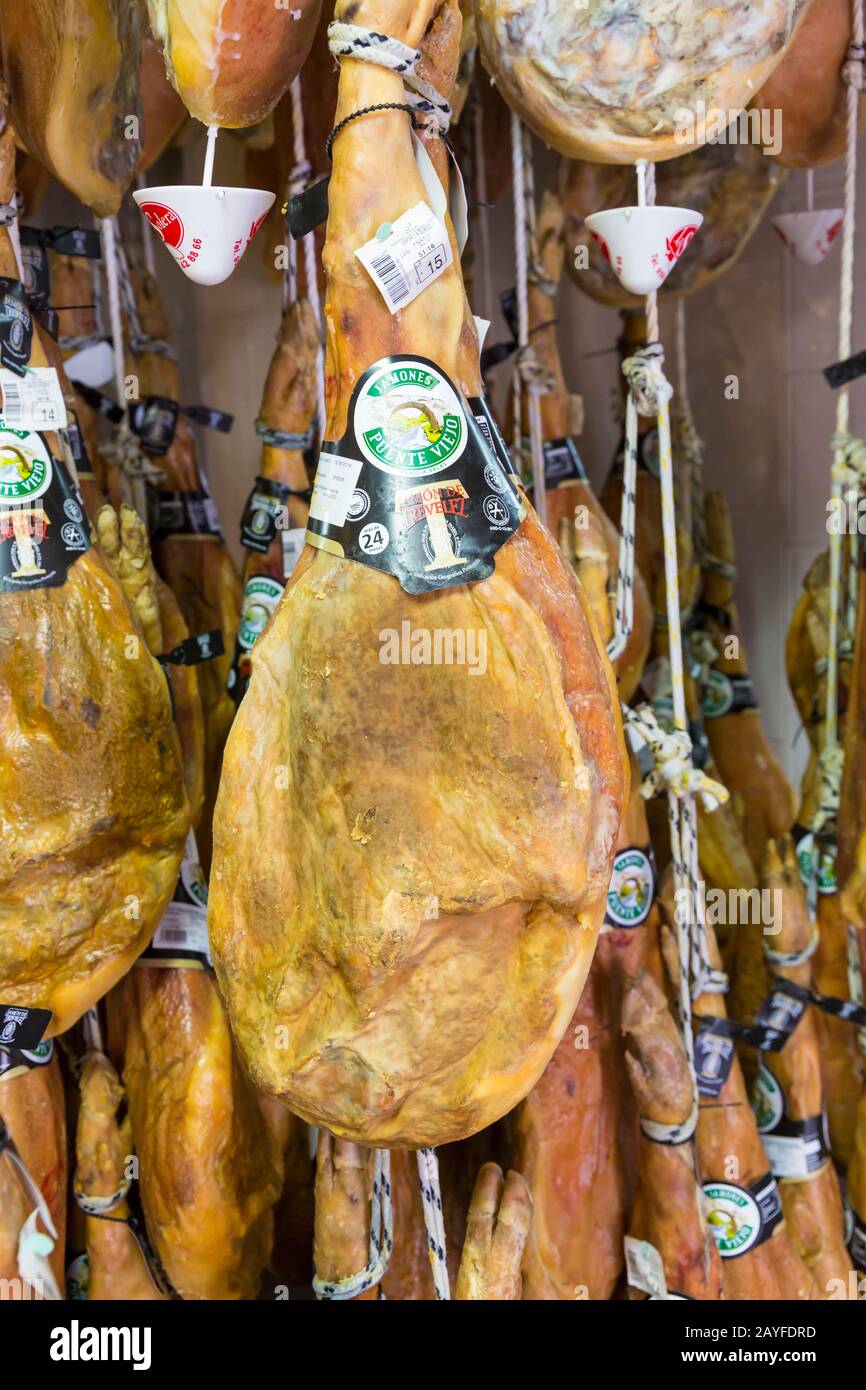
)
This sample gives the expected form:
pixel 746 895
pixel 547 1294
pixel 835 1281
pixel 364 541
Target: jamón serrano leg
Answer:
pixel 789 1095
pixel 32 1110
pixel 744 1209
pixel 497 1226
pixel 375 783
pixel 669 1211
pixel 117 1269
pixel 105 831
pixel 576 1132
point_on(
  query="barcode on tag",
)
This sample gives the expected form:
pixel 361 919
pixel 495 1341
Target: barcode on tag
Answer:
pixel 174 934
pixel 391 278
pixel 407 255
pixel 34 401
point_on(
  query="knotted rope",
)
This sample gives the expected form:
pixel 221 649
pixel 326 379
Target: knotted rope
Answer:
pixel 381 1240
pixel 366 46
pixel 672 753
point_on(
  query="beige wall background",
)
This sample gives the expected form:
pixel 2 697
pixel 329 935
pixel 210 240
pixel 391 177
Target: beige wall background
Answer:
pixel 769 320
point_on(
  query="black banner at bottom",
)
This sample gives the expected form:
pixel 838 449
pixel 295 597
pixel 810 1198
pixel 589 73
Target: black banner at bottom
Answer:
pixel 164 1337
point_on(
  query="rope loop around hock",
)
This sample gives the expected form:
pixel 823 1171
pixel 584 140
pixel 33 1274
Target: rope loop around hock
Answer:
pixel 791 959
pixel 368 46
pixel 381 1240
pixel 672 1135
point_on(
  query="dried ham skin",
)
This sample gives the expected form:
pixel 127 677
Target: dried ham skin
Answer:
pixel 808 92
pixel 614 80
pixel 410 865
pixel 230 61
pixel 72 69
pixel 92 798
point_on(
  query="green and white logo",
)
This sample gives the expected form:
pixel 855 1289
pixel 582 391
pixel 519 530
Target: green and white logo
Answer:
pixel 629 896
pixel 768 1101
pixel 261 597
pixel 409 419
pixel 826 863
pixel 733 1216
pixel 718 695
pixel 25 465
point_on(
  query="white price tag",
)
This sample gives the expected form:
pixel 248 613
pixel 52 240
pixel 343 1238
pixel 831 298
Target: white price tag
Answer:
pixel 791 1156
pixel 644 1268
pixel 410 257
pixel 293 544
pixel 184 927
pixel 33 401
pixel 332 492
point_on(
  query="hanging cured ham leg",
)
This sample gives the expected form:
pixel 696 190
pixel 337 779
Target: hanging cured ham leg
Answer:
pixel 281 491
pixel 788 1095
pixel 210 1165
pixel 72 68
pixel 33 1116
pixel 576 1132
pixel 610 82
pixel 807 92
pixel 574 515
pixel 744 1209
pixel 189 549
pixel 231 60
pixel 806 656
pixel 669 1209
pixel 405 900
pixel 498 1223
pixel 123 539
pixel 746 762
pixel 91 787
pixel 116 1267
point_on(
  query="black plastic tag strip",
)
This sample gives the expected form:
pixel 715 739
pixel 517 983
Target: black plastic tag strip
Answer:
pixel 309 209
pixel 99 402
pixel 840 373
pixel 16 325
pixel 21 1027
pixel 194 650
pixel 67 241
pixel 845 1009
pixel 262 514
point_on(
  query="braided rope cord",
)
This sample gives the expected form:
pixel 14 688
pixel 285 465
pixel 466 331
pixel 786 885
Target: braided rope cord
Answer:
pixel 846 478
pixel 649 394
pixel 381 1240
